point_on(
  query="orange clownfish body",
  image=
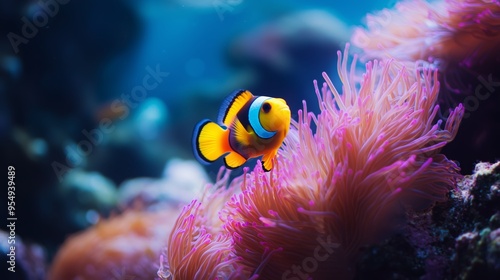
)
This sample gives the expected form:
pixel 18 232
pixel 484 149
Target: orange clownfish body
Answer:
pixel 248 126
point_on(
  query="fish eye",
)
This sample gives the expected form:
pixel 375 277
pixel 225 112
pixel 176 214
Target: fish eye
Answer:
pixel 266 107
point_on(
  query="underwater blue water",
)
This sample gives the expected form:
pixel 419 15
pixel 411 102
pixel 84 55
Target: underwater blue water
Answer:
pixel 189 40
pixel 83 147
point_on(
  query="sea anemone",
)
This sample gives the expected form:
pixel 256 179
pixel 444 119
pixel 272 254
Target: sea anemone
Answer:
pixel 459 31
pixel 461 38
pixel 374 151
pixel 123 247
pixel 402 33
pixel 198 247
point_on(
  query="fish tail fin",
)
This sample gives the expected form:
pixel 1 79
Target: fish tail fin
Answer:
pixel 210 141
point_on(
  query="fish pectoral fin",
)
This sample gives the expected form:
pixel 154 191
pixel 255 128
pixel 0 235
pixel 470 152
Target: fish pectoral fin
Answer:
pixel 234 160
pixel 240 133
pixel 268 160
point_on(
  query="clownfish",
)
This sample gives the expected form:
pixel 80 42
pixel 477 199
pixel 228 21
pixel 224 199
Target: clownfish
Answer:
pixel 248 126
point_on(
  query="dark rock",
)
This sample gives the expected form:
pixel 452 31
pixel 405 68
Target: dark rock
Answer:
pixel 457 239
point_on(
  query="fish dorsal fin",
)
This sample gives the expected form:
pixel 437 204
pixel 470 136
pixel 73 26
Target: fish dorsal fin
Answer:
pixel 232 105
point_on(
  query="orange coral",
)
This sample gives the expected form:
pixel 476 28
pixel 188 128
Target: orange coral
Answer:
pixel 123 247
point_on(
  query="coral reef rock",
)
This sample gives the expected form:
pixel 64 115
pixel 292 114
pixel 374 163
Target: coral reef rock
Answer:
pixel 457 239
